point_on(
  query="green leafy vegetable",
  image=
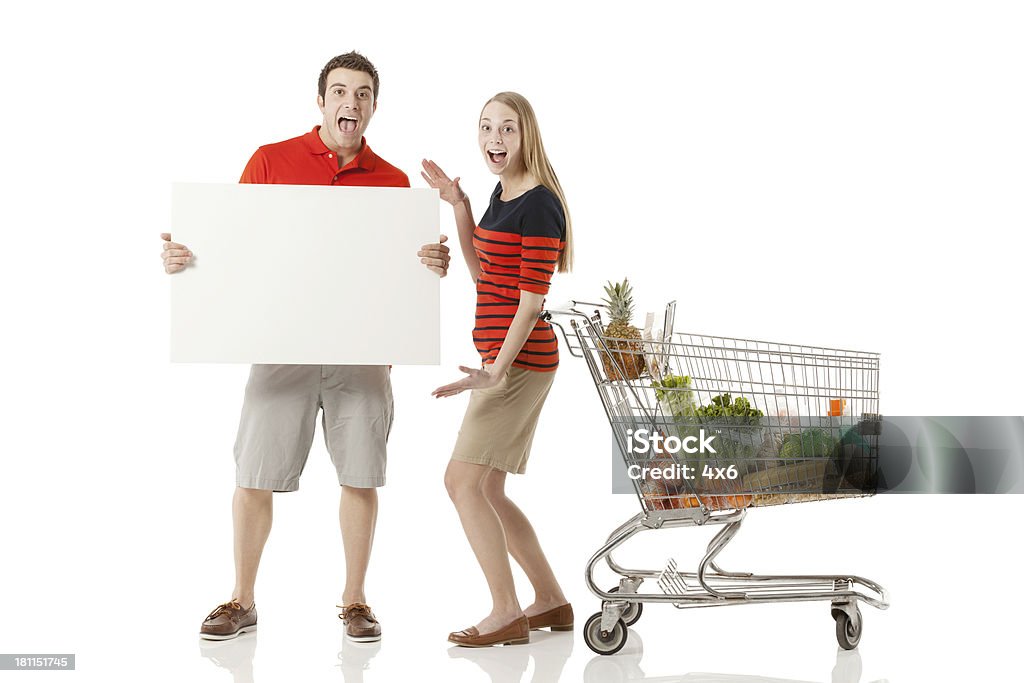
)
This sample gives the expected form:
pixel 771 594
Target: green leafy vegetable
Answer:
pixel 739 411
pixel 810 443
pixel 676 395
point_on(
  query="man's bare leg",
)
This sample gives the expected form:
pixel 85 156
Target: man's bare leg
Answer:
pixel 358 516
pixel 252 513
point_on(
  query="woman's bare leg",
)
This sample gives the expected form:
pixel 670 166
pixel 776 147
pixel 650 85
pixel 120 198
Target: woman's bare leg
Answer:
pixel 486 536
pixel 524 546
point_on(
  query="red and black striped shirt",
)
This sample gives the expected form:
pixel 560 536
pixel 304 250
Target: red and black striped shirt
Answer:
pixel 518 243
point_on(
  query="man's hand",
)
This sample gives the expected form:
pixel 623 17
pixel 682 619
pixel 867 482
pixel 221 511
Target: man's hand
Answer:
pixel 437 179
pixel 176 256
pixel 477 379
pixel 435 256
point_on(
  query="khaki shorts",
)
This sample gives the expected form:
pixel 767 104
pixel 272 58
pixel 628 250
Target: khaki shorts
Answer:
pixel 279 417
pixel 498 428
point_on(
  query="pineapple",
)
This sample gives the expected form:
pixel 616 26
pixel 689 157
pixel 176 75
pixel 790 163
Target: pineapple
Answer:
pixel 627 359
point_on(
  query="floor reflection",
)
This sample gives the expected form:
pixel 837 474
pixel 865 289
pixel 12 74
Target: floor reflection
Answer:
pixel 509 663
pixel 233 655
pixel 625 666
pixel 236 657
pixel 354 659
pixel 549 653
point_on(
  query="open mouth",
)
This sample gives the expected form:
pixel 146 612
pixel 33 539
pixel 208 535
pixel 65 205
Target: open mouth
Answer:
pixel 347 124
pixel 496 156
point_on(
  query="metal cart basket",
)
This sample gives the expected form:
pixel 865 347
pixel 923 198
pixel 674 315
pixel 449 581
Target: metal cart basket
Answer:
pixel 710 426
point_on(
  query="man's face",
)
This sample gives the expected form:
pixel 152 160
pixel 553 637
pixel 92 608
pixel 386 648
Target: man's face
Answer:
pixel 347 106
pixel 500 138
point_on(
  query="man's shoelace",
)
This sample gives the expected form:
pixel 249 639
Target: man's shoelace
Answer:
pixel 226 608
pixel 356 609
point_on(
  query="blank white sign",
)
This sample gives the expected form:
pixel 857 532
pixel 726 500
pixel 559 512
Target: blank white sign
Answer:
pixel 304 274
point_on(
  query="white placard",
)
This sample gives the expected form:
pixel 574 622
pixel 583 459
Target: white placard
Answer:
pixel 304 274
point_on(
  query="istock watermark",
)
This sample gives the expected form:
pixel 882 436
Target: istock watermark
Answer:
pixel 676 472
pixel 27 662
pixel 831 455
pixel 641 441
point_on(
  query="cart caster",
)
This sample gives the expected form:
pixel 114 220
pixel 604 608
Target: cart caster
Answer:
pixel 633 610
pixel 604 642
pixel 848 628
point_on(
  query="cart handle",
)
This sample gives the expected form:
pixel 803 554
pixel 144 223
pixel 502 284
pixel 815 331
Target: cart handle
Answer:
pixel 566 310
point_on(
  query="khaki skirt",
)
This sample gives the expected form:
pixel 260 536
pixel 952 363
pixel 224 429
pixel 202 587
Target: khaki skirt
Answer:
pixel 498 428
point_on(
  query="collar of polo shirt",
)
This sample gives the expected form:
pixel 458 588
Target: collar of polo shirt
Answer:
pixel 365 159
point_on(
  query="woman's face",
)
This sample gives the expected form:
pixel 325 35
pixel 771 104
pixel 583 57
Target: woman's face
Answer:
pixel 500 138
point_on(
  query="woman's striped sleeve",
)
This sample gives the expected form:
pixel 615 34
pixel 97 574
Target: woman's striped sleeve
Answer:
pixel 543 232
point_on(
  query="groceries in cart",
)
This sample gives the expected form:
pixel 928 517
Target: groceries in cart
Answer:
pixel 815 458
pixel 733 425
pixel 625 356
pixel 746 424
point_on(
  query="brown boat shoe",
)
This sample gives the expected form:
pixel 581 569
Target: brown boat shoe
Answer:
pixel 360 624
pixel 558 619
pixel 516 633
pixel 227 621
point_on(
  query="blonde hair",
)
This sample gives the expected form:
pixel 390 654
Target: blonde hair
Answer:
pixel 537 164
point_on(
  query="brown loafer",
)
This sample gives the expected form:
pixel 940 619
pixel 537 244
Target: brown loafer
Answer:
pixel 227 621
pixel 557 619
pixel 360 624
pixel 516 633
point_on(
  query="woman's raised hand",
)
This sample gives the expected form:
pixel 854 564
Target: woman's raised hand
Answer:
pixel 437 179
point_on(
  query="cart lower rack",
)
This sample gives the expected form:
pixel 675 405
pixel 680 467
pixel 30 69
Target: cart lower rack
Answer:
pixel 711 426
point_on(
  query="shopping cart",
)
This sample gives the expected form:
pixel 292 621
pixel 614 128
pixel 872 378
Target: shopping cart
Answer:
pixel 712 426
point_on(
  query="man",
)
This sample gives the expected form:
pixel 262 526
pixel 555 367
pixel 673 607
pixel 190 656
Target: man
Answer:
pixel 282 401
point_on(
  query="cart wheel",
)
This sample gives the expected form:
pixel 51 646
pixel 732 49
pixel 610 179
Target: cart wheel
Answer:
pixel 604 642
pixel 633 610
pixel 847 633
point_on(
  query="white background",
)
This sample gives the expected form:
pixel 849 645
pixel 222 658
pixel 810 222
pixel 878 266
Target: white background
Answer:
pixel 839 174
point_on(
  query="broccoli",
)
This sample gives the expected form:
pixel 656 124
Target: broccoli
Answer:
pixel 723 406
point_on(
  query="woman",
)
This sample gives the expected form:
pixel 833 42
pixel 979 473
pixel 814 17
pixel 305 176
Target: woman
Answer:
pixel 512 254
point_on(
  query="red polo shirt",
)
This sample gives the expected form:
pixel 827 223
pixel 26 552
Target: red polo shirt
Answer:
pixel 306 160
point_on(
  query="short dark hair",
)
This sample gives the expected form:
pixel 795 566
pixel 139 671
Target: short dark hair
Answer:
pixel 350 60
